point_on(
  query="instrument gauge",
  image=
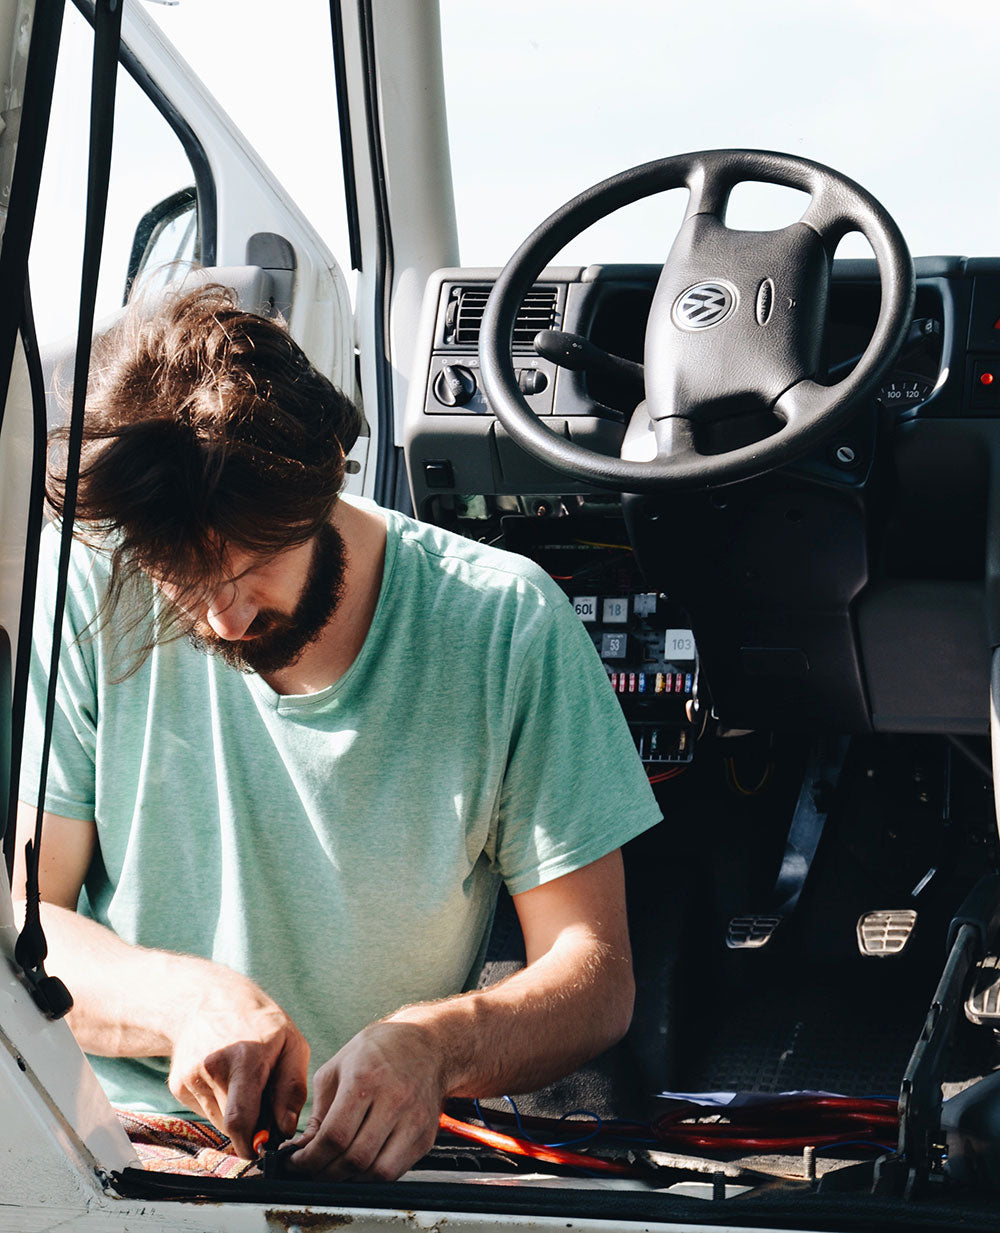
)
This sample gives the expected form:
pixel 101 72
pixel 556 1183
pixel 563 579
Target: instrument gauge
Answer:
pixel 904 390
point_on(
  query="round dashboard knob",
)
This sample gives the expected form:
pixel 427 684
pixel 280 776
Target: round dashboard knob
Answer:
pixel 454 385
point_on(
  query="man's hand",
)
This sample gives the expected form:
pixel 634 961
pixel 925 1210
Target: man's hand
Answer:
pixel 376 1106
pixel 232 1042
pixel 378 1101
pixel 227 1039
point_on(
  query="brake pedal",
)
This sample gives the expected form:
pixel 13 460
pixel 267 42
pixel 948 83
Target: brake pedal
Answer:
pixel 751 932
pixel 983 1003
pixel 885 933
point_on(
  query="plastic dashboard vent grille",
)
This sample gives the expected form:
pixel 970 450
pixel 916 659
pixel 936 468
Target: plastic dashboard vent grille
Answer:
pixel 465 315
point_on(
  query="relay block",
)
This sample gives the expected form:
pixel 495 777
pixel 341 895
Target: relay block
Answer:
pixel 642 637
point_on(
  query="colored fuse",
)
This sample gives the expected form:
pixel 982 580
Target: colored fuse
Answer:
pixel 678 682
pixel 642 682
pixel 614 680
pixel 631 682
pixel 668 682
pixel 687 683
pixel 660 683
pixel 622 682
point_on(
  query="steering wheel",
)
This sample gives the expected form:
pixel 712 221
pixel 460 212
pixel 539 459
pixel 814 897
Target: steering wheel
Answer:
pixel 736 323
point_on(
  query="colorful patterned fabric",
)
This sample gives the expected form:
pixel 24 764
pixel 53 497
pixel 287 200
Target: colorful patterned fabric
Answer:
pixel 167 1144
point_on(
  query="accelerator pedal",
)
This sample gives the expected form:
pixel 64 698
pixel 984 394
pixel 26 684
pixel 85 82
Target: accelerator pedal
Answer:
pixel 885 933
pixel 751 932
pixel 983 1003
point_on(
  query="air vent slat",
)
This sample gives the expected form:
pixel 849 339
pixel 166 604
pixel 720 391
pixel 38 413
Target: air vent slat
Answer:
pixel 537 312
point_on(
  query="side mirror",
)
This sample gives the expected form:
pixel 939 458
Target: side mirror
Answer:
pixel 167 235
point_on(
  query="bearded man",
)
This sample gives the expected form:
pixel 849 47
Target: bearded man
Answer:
pixel 299 743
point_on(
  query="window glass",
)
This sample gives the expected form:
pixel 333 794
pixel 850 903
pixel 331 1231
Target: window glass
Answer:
pixel 547 99
pixel 275 80
pixel 148 165
pixel 165 241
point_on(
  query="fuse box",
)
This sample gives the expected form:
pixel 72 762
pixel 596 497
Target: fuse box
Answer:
pixel 643 638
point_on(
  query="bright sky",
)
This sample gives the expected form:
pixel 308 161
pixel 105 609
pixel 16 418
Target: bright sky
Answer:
pixel 545 99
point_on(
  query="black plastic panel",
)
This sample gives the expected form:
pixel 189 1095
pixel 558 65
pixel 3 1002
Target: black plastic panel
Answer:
pixel 926 656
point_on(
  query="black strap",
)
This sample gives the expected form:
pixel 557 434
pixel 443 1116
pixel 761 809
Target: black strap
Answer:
pixel 43 51
pixel 49 992
pixel 40 72
pixel 32 539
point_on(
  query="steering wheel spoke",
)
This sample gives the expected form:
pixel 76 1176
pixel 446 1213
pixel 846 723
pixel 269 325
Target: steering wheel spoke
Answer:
pixel 669 440
pixel 802 406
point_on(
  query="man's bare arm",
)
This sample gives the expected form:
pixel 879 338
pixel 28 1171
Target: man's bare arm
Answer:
pixel 376 1103
pixel 225 1037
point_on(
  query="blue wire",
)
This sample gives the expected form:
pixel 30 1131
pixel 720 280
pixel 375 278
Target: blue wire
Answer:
pixel 582 1138
pixel 541 1142
pixel 517 1119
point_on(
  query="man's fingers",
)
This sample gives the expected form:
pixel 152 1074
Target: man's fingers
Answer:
pixel 242 1105
pixel 338 1119
pixel 289 1083
pixel 199 1095
pixel 337 1154
pixel 403 1148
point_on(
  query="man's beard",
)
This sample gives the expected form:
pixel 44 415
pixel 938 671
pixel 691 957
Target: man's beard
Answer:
pixel 275 640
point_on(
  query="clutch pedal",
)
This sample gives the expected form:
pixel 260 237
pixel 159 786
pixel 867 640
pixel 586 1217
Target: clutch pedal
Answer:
pixel 885 933
pixel 754 930
pixel 751 932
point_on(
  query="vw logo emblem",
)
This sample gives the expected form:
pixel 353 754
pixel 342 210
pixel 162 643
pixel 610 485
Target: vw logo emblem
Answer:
pixel 704 305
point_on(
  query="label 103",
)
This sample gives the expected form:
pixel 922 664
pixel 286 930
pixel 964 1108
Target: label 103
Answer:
pixel 679 644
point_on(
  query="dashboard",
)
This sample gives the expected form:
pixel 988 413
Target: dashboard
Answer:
pixel 853 591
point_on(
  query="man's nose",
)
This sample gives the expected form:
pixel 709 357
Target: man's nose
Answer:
pixel 230 615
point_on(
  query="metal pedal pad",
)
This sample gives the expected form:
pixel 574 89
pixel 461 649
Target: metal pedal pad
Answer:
pixel 885 933
pixel 983 1002
pixel 751 932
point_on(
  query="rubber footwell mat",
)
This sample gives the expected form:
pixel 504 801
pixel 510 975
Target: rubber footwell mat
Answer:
pixel 839 1034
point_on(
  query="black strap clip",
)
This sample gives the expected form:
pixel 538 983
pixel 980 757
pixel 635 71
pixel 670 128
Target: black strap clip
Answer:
pixel 49 993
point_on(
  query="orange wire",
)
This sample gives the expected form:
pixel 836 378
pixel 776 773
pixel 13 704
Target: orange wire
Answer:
pixel 536 1151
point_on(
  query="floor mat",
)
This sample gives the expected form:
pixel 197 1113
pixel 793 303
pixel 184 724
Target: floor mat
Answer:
pixel 825 1034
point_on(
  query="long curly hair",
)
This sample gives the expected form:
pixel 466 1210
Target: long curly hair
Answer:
pixel 206 429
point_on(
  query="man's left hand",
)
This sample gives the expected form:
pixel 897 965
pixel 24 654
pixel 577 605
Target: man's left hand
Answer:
pixel 376 1106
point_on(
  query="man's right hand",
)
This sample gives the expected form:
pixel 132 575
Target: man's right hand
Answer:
pixel 226 1038
pixel 231 1043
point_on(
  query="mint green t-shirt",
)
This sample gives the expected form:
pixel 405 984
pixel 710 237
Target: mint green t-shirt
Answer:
pixel 344 848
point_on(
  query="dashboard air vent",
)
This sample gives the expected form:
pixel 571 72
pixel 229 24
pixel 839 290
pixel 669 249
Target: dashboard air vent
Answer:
pixel 465 315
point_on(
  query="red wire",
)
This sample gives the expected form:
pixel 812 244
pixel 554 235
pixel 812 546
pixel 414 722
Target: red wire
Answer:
pixel 828 1120
pixel 831 1120
pixel 523 1147
pixel 661 776
pixel 789 1143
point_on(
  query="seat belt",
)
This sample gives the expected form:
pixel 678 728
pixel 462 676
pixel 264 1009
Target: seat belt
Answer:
pixel 49 993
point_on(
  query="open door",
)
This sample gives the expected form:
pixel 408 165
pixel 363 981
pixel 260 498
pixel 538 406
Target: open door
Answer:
pixel 186 189
pixel 201 198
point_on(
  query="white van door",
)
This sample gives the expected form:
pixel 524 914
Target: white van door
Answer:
pixel 186 188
